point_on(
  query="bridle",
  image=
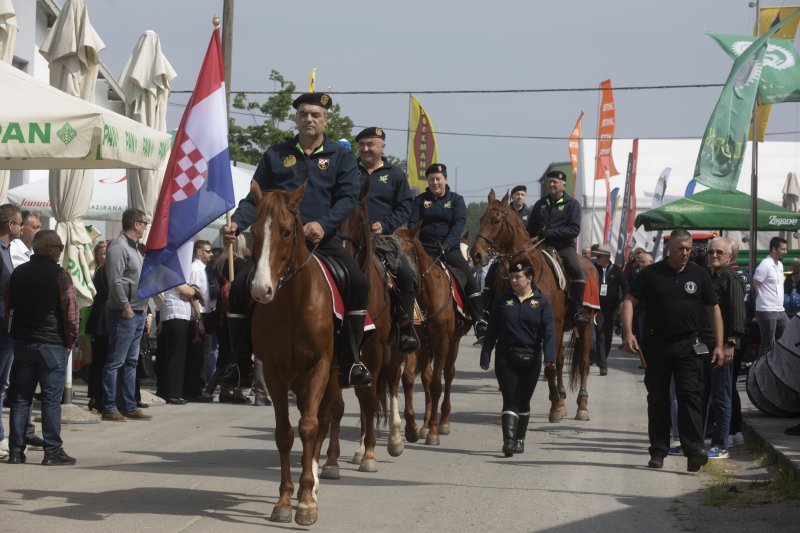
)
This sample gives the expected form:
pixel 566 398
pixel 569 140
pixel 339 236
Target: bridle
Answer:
pixel 493 251
pixel 291 270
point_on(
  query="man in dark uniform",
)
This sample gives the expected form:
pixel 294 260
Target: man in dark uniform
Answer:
pixel 331 196
pixel 389 205
pixel 556 218
pixel 676 293
pixel 611 281
pixel 518 196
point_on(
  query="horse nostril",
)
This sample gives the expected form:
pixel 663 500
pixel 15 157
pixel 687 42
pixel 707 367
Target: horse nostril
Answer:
pixel 269 292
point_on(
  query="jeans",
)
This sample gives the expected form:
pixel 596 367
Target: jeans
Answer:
pixel 771 324
pixel 45 364
pixel 6 360
pixel 717 391
pixel 119 372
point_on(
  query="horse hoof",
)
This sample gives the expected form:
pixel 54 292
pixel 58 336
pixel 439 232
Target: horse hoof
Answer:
pixel 281 514
pixel 368 465
pixel 582 414
pixel 395 447
pixel 357 457
pixel 556 416
pixel 432 440
pixel 423 432
pixel 329 472
pixel 306 514
pixel 444 429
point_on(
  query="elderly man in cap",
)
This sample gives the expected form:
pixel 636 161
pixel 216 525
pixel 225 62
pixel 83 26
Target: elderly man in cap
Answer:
pixel 556 218
pixel 518 196
pixel 389 205
pixel 330 198
pixel 611 291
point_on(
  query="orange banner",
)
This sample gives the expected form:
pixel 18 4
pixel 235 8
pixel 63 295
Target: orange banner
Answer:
pixel 575 147
pixel 605 134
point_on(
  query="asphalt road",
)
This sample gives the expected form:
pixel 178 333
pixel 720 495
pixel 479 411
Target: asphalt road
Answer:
pixel 213 467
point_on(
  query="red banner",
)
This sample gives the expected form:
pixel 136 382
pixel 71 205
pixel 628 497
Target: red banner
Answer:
pixel 628 208
pixel 609 214
pixel 575 148
pixel 605 134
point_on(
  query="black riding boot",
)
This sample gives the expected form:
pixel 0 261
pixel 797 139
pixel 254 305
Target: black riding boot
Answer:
pixel 510 420
pixel 408 340
pixel 352 372
pixel 476 305
pixel 576 290
pixel 522 428
pixel 232 374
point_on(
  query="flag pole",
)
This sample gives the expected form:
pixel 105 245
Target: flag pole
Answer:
pixel 408 139
pixel 753 244
pixel 229 246
pixel 594 178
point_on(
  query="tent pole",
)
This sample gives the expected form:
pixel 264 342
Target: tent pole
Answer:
pixel 753 244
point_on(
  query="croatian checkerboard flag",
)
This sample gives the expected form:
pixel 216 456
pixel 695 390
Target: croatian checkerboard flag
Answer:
pixel 197 186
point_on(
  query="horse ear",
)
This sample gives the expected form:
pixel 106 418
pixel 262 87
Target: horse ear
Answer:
pixel 297 195
pixel 413 232
pixel 505 198
pixel 255 191
pixel 492 197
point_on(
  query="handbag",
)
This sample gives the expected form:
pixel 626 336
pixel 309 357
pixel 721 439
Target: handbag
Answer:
pixel 144 366
pixel 520 357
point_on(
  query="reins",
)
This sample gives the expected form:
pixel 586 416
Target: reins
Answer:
pixel 291 270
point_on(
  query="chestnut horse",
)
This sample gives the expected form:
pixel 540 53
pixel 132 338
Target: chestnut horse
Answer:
pixel 375 351
pixel 502 232
pixel 439 334
pixel 293 334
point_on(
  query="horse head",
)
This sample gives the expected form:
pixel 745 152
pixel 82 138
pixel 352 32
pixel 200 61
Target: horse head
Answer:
pixel 494 232
pixel 279 247
pixel 355 230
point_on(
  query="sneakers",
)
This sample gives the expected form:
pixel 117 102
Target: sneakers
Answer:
pixel 16 458
pixel 656 461
pixel 4 448
pixel 715 452
pixel 695 461
pixel 735 440
pixel 136 415
pixel 113 416
pixel 59 458
pixel 675 448
pixel 35 442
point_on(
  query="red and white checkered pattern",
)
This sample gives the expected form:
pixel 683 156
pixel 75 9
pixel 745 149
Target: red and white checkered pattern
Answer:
pixel 193 172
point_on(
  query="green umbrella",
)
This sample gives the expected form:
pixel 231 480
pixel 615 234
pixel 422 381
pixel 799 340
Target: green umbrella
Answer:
pixel 715 209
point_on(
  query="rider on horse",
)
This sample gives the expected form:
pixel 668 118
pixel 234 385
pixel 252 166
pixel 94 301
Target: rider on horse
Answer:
pixel 444 215
pixel 331 196
pixel 556 218
pixel 389 204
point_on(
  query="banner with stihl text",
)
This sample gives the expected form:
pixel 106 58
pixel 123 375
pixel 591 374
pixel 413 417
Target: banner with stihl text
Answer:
pixel 628 208
pixel 605 134
pixel 422 151
pixel 575 147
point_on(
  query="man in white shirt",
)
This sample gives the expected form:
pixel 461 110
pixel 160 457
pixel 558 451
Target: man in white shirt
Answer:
pixel 21 247
pixel 199 348
pixel 768 283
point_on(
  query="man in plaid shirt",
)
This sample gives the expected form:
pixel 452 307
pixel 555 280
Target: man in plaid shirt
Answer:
pixel 43 321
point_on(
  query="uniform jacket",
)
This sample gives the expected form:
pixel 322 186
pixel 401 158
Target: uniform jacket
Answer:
pixel 389 201
pixel 526 324
pixel 333 184
pixel 560 221
pixel 443 219
pixel 523 214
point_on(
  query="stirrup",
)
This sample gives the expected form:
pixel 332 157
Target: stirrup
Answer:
pixel 357 377
pixel 581 318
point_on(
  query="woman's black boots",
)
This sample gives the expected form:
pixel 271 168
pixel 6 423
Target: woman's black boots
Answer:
pixel 510 420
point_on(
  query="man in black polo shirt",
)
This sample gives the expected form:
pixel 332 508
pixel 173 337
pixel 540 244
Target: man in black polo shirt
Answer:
pixel 676 293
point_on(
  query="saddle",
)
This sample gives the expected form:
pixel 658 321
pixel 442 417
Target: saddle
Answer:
pixel 338 272
pixel 591 295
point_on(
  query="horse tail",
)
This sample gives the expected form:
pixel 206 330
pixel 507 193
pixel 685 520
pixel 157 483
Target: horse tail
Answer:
pixel 575 352
pixel 382 393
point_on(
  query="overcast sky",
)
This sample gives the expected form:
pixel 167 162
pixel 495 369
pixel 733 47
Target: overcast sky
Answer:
pixel 456 45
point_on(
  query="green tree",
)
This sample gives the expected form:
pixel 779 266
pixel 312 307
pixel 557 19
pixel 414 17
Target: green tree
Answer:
pixel 273 122
pixel 474 213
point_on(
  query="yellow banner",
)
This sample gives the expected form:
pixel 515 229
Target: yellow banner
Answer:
pixel 422 151
pixel 312 80
pixel 768 17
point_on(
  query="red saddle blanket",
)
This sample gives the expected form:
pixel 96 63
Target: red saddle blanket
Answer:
pixel 591 294
pixel 336 297
pixel 455 292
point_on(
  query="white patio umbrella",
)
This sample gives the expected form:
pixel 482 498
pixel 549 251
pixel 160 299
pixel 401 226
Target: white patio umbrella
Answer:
pixel 146 80
pixel 8 37
pixel 791 201
pixel 71 48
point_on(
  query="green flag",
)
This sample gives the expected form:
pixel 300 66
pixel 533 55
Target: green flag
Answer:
pixel 780 76
pixel 719 162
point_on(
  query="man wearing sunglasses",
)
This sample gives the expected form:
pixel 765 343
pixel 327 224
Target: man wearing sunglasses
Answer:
pixel 717 372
